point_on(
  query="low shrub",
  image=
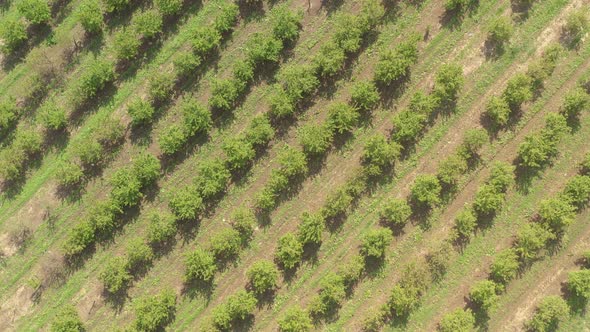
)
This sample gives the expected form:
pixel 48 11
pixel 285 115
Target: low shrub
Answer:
pixel 153 313
pixel 262 276
pixel 140 111
pixel 289 251
pixel 200 266
pixel 396 212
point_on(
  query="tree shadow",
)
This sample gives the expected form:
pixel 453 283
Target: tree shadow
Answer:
pixel 198 289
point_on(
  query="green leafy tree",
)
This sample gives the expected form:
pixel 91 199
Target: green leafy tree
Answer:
pixel 126 188
pixel 550 311
pixel 378 155
pixel 500 31
pixel 505 266
pixel 244 221
pixel 13 33
pixel 96 74
pixel 161 228
pixel 364 95
pixel 260 131
pixel 396 212
pixel 153 313
pixel 226 244
pixel 447 83
pixel 407 127
pixel 585 165
pixel 285 23
pixel 186 203
pixel 115 275
pixel 79 238
pixel 498 111
pixel 576 25
pixel 531 238
pixel 375 242
pixel 186 63
pixel 483 294
pixel 146 168
pixel 501 176
pixel 337 203
pixel 197 119
pixel 204 40
pixel 35 11
pixel 89 14
pixel 227 17
pixel 224 94
pixel 394 65
pixel 574 103
pixel 315 139
pixel 126 44
pixel 299 81
pixel 148 23
pixel 161 86
pixel 458 6
pixel 473 141
pixel 200 266
pixel 140 111
pixel 332 293
pixel 67 320
pixel 556 214
pixel 577 190
pixel 330 60
pixel 262 276
pixel 211 178
pixel 349 32
pixel 426 190
pixel 465 223
pixel 295 319
pixel 236 308
pixel 289 251
pixel 450 169
pixel 8 115
pixel 169 7
pixel 352 271
pixel 534 152
pixel 239 153
pixel 402 301
pixel 69 174
pixel 263 48
pixel 578 283
pixel 518 90
pixel 172 139
pixel 113 6
pixel 342 117
pixel 52 116
pixel 138 253
pixel 458 320
pixel 310 229
pixel 488 200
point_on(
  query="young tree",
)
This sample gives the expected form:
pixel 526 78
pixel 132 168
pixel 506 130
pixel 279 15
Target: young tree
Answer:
pixel 146 168
pixel 473 141
pixel 531 238
pixel 483 294
pixel 186 63
pixel 402 301
pixel 501 176
pixel 426 191
pixel 407 127
pixel 518 90
pixel 505 266
pixel 447 83
pixel 295 319
pixel 227 17
pixel 89 14
pixel 140 111
pixel 226 244
pixel 126 44
pixel 285 23
pixel 115 275
pixel 113 6
pixel 574 103
pixel 458 320
pixel 204 40
pixel 465 223
pixel 310 229
pixel 96 74
pixel 186 203
pixel 488 200
pixel 153 313
pixel 161 228
pixel 52 116
pixel 556 214
pixel 364 95
pixel 13 33
pixel 211 178
pixel 260 131
pixel 35 11
pixel 500 31
pixel 148 23
pixel 396 212
pixel 576 25
pixel 262 276
pixel 126 188
pixel 375 242
pixel 498 111
pixel 342 118
pixel 224 94
pixel 315 139
pixel 263 48
pixel 138 253
pixel 550 311
pixel 378 154
pixel 244 221
pixel 578 283
pixel 239 153
pixel 332 293
pixel 577 191
pixel 450 169
pixel 394 65
pixel 289 251
pixel 236 308
pixel 172 139
pixel 197 119
pixel 200 266
pixel 67 320
pixel 161 86
pixel 169 7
